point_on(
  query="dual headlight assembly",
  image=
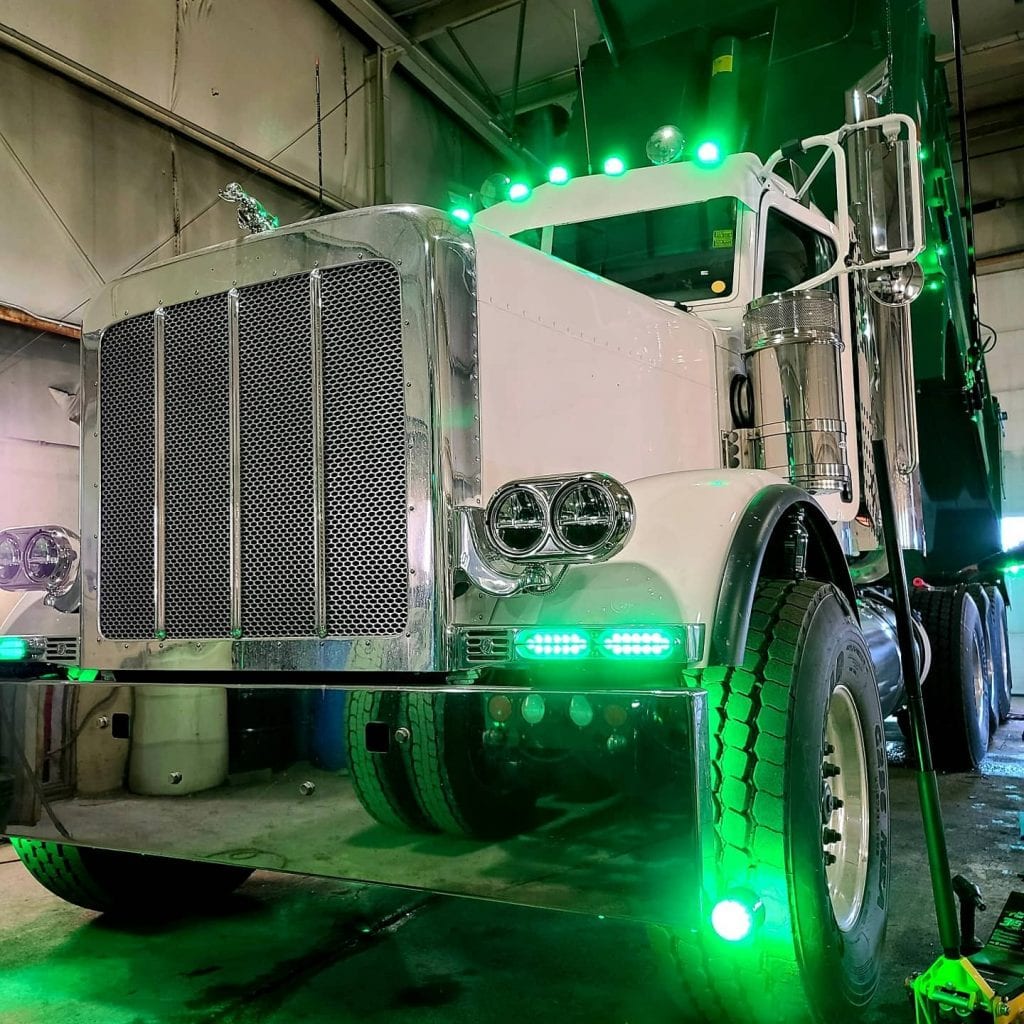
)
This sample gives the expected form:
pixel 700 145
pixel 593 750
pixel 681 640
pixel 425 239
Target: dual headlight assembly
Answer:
pixel 585 518
pixel 37 559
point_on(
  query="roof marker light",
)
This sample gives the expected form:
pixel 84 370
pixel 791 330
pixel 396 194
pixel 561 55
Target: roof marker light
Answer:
pixel 558 175
pixel 614 166
pixel 709 153
pixel 519 191
pixel 462 214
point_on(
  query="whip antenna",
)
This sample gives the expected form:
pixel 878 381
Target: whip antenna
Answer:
pixel 583 95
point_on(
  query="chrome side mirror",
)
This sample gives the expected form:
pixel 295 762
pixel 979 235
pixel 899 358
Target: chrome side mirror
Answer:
pixel 892 174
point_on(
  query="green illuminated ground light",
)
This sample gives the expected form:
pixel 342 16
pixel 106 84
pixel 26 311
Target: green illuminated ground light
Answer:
pixel 13 648
pixel 544 644
pixel 732 920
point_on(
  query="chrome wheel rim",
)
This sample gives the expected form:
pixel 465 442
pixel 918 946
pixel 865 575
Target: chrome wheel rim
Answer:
pixel 978 673
pixel 845 809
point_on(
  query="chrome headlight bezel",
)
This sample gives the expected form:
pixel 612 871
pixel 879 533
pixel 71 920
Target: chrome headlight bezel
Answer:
pixel 550 492
pixel 8 537
pixel 63 559
pixel 61 579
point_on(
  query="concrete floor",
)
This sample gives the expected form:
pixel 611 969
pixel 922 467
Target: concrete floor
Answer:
pixel 289 950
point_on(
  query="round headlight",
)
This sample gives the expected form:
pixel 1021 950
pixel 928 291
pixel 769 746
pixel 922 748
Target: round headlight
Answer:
pixel 584 516
pixel 10 558
pixel 518 521
pixel 43 558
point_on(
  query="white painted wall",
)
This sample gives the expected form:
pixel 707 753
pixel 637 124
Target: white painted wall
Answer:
pixel 91 189
pixel 38 445
pixel 1002 306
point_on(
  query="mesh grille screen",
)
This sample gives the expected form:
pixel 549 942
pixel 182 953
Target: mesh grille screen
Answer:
pixel 364 451
pixel 812 312
pixel 277 459
pixel 126 475
pixel 365 490
pixel 197 469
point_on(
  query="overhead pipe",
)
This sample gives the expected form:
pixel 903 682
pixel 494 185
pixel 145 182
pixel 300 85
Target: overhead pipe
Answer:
pixel 23 318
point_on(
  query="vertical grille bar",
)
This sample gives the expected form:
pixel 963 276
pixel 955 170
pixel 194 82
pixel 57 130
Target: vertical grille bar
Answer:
pixel 126 584
pixel 197 469
pixel 235 446
pixel 319 524
pixel 159 564
pixel 276 415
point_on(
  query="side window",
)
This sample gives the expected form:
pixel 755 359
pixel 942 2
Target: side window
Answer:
pixel 793 253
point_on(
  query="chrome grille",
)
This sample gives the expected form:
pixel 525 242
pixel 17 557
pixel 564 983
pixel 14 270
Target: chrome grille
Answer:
pixel 364 452
pixel 126 459
pixel 278 559
pixel 197 495
pixel 363 573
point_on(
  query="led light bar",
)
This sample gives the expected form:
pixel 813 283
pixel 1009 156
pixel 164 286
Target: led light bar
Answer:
pixel 552 644
pixel 650 644
pixel 13 648
pixel 620 643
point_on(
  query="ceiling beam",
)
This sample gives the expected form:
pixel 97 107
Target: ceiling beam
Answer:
pixel 428 73
pixel 434 20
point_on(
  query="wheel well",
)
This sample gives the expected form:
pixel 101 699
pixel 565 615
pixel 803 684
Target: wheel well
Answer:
pixel 758 551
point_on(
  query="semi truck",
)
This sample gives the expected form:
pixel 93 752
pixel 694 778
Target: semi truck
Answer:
pixel 533 552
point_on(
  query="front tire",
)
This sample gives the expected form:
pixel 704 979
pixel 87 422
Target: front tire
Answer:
pixel 127 885
pixel 806 680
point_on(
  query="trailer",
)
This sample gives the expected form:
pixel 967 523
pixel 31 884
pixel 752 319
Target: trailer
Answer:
pixel 534 553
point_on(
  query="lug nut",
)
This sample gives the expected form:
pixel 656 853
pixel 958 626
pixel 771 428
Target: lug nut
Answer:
pixel 837 803
pixel 830 835
pixel 402 735
pixel 103 722
pixel 829 749
pixel 830 859
pixel 829 770
pixel 307 788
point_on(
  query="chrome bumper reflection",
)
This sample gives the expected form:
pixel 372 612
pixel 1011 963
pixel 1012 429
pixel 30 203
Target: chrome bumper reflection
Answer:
pixel 270 778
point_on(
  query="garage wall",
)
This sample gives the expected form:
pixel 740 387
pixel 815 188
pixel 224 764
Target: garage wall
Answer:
pixel 38 443
pixel 92 189
pixel 1002 306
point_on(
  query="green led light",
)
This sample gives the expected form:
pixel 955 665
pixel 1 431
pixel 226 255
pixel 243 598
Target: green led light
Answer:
pixel 709 152
pixel 462 213
pixel 615 166
pixel 935 285
pixel 580 711
pixel 82 675
pixel 519 191
pixel 640 643
pixel 13 648
pixel 941 250
pixel 533 709
pixel 732 920
pixel 558 175
pixel 544 644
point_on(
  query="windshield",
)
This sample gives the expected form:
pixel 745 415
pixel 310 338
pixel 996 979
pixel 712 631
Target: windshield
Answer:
pixel 682 253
